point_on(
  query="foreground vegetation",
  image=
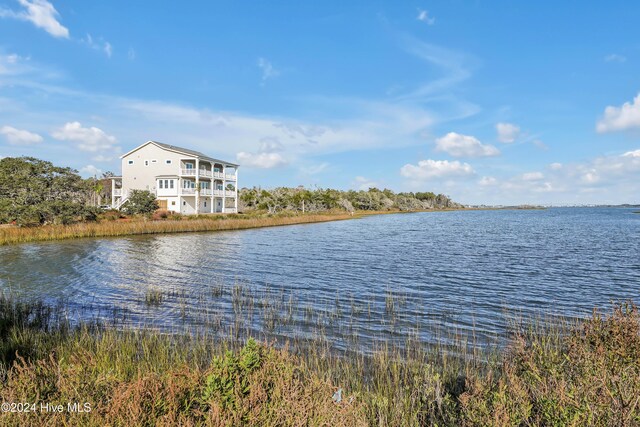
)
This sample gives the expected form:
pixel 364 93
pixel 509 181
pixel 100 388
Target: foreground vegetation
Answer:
pixel 582 373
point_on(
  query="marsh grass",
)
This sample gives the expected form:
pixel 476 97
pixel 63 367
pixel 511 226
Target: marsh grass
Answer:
pixel 553 371
pixel 14 234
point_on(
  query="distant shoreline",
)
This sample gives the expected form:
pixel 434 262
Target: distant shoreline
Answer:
pixel 130 227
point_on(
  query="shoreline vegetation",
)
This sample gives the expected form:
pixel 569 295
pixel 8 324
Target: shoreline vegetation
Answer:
pixel 579 372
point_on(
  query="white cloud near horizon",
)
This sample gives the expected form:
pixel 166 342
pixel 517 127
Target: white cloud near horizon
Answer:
pixel 19 136
pixel 621 118
pixel 90 170
pixel 430 169
pixel 363 183
pixel 261 160
pixel 91 139
pixel 40 13
pixel 459 145
pixel 507 132
pixel 423 16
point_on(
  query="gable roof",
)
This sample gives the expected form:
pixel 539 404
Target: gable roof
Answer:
pixel 180 150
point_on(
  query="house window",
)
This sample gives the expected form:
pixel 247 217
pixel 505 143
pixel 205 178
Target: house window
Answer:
pixel 184 203
pixel 160 184
pixel 188 165
pixel 168 162
pixel 205 204
pixel 171 183
pixel 146 162
pixel 216 169
pixel 154 161
pixel 130 162
pixel 173 203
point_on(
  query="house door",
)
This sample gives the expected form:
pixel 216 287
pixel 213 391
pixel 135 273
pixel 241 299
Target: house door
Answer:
pixel 219 206
pixel 162 204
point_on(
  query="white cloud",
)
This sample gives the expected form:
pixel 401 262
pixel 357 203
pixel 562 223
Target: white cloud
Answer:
pixel 20 137
pixel 555 166
pixel 99 44
pixel 91 139
pixel 423 15
pixel 362 183
pixel 314 169
pixel 90 170
pixel 635 153
pixel 486 181
pixel 459 145
pixel 40 13
pixel 620 118
pixel 108 49
pixel 507 132
pixel 268 71
pixel 614 57
pixel 427 169
pixel 102 158
pixel 532 176
pixel 261 160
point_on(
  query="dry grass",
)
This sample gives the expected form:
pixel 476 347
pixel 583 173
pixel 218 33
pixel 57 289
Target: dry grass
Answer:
pixel 10 235
pixel 562 374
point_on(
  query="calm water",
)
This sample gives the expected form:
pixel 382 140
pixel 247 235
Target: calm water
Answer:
pixel 381 277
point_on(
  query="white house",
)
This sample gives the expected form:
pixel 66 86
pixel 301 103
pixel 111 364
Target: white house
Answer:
pixel 183 180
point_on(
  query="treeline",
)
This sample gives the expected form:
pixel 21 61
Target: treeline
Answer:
pixel 35 192
pixel 316 200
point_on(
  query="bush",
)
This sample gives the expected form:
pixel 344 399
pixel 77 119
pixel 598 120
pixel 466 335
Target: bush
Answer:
pixel 161 214
pixel 141 202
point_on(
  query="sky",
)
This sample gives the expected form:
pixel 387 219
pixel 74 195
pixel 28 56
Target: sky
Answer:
pixel 489 102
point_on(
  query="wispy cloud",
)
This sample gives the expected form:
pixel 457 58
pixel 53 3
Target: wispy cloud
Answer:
pixel 435 169
pixel 131 54
pixel 363 183
pixel 614 57
pixel 99 44
pixel 507 132
pixel 621 118
pixel 268 70
pixel 423 15
pixel 40 13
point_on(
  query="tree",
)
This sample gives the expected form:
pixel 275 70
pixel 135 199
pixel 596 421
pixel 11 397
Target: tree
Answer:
pixel 140 202
pixel 35 192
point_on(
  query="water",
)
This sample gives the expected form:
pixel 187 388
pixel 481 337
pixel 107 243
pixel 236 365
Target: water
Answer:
pixel 378 278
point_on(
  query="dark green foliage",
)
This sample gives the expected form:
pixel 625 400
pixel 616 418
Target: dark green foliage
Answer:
pixel 373 199
pixel 35 192
pixel 140 202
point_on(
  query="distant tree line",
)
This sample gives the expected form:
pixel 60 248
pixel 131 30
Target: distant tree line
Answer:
pixel 315 200
pixel 36 192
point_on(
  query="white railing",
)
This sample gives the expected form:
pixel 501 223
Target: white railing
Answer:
pixel 188 191
pixel 188 172
pixel 205 192
pixel 229 210
pixel 230 177
pixel 228 193
pixel 218 175
pixel 218 193
pixel 205 173
pixel 117 192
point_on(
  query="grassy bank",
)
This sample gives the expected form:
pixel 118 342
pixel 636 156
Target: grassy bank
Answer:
pixel 104 228
pixel 584 373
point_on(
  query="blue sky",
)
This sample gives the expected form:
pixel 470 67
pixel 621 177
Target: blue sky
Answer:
pixel 495 102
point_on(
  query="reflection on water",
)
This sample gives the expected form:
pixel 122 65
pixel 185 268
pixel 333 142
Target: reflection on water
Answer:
pixel 379 277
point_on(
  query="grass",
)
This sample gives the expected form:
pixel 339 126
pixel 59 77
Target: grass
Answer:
pixel 11 234
pixel 555 372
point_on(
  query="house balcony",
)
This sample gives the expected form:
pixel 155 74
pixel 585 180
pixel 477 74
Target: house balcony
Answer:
pixel 188 191
pixel 230 177
pixel 117 192
pixel 203 173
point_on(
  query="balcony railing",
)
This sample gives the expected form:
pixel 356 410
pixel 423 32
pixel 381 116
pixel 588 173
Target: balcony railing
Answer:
pixel 218 193
pixel 218 175
pixel 205 192
pixel 117 192
pixel 188 191
pixel 230 177
pixel 188 172
pixel 230 210
pixel 229 193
